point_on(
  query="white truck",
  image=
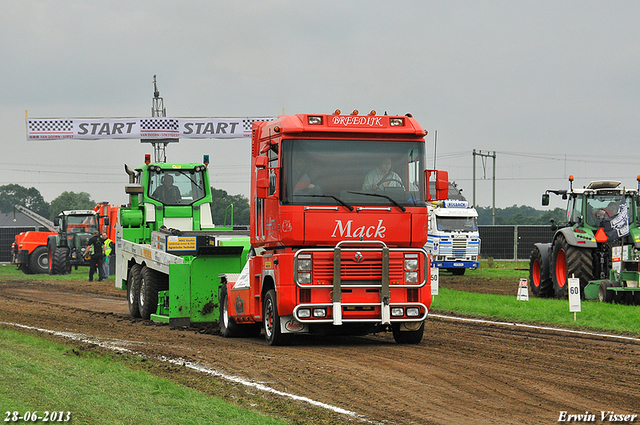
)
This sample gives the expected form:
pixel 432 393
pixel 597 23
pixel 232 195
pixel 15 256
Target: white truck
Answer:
pixel 453 239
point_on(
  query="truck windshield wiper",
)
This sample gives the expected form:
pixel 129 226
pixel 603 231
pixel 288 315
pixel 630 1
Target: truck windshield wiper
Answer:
pixel 380 196
pixel 189 177
pixel 340 201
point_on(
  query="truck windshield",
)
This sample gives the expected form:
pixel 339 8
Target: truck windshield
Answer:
pixel 176 187
pixel 457 224
pixel 335 172
pixel 81 223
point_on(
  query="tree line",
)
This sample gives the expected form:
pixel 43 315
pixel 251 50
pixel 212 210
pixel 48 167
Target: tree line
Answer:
pixel 31 198
pixel 12 194
pixel 519 216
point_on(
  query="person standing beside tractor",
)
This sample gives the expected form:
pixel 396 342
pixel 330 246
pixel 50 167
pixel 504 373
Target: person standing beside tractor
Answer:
pixel 95 249
pixel 108 248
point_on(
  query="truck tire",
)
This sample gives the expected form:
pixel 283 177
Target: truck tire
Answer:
pixel 407 337
pixel 133 290
pixel 541 284
pixel 272 332
pixel 39 260
pixel 604 295
pixel 228 327
pixel 60 262
pixel 567 260
pixel 148 294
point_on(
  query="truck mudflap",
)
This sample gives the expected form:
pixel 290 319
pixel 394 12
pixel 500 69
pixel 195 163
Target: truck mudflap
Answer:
pixel 381 310
pixel 289 325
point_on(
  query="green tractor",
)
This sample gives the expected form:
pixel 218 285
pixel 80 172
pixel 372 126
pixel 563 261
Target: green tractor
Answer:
pixel 599 244
pixel 66 249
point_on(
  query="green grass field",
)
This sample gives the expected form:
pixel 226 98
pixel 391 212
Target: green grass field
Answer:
pixel 39 375
pixel 595 315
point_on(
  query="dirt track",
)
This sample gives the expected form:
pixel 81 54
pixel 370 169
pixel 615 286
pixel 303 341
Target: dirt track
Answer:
pixel 462 372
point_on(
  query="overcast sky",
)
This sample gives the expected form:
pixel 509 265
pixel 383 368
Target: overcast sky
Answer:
pixel 552 87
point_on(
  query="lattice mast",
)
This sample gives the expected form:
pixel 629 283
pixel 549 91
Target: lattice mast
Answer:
pixel 158 110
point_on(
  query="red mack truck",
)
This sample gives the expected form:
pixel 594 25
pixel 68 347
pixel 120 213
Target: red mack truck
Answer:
pixel 338 225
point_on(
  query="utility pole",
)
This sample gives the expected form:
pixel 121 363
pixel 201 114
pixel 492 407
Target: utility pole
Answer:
pixel 485 155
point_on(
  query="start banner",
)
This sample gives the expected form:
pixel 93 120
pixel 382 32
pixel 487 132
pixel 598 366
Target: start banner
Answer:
pixel 139 128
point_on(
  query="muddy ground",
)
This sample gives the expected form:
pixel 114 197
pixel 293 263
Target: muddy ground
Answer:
pixel 462 372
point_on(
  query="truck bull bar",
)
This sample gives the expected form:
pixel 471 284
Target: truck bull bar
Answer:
pixel 357 248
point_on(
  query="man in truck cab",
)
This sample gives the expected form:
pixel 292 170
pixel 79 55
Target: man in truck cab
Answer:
pixel 381 177
pixel 167 193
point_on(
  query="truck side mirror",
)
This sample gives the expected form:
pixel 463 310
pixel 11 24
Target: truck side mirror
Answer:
pixel 545 199
pixel 441 185
pixel 262 183
pixel 56 221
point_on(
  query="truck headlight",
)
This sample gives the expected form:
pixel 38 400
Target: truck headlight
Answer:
pixel 413 311
pixel 304 313
pixel 397 311
pixel 411 264
pixel 319 312
pixel 304 265
pixel 304 277
pixel 409 277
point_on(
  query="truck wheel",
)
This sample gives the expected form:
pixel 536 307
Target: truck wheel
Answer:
pixel 636 297
pixel 60 261
pixel 133 290
pixel 227 324
pixel 567 260
pixel 25 268
pixel 408 336
pixel 148 295
pixel 540 286
pixel 272 332
pixel 39 260
pixel 604 295
pixel 228 327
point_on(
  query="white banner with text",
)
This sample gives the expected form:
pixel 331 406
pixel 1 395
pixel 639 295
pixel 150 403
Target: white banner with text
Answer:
pixel 140 128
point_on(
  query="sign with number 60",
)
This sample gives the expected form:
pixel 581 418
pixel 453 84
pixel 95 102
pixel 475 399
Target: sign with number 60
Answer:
pixel 574 295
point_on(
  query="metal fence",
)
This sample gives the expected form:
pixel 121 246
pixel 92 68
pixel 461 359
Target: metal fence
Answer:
pixel 497 242
pixel 511 242
pixel 7 236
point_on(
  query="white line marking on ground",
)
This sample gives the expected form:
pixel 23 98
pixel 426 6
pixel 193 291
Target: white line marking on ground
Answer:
pixel 111 345
pixel 546 328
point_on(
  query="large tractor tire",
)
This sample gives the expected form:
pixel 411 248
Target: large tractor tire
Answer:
pixel 148 294
pixel 539 279
pixel 569 261
pixel 228 327
pixel 133 290
pixel 60 261
pixel 272 332
pixel 39 260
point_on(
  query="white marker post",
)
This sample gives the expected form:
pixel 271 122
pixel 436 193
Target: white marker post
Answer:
pixel 574 296
pixel 523 291
pixel 435 280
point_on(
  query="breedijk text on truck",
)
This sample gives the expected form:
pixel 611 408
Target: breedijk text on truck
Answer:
pixel 338 225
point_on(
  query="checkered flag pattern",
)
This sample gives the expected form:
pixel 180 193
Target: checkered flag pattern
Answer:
pixel 159 124
pixel 247 123
pixel 50 126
